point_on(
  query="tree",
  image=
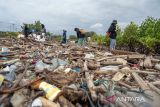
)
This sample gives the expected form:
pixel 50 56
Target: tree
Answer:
pixel 149 31
pixel 130 36
pixel 148 27
pixel 72 37
pixel 38 26
pixel 119 39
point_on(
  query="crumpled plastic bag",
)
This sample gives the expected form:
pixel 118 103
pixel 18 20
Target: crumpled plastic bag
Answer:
pixel 40 66
pixel 58 62
pixel 11 75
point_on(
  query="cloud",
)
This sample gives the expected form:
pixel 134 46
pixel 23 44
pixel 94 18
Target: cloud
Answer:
pixel 97 25
pixel 68 14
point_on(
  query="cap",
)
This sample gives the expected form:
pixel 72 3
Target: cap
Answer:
pixel 114 21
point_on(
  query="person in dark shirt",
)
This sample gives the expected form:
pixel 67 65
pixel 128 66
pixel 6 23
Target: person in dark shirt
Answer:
pixel 112 35
pixel 64 36
pixel 80 37
pixel 26 31
pixel 43 28
pixel 78 34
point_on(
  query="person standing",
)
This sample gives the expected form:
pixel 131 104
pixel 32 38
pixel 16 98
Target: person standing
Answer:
pixel 64 39
pixel 112 34
pixel 43 30
pixel 26 31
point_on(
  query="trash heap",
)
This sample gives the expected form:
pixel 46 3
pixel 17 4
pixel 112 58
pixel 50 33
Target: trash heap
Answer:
pixel 47 74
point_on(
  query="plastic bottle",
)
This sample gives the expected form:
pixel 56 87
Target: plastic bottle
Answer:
pixel 51 91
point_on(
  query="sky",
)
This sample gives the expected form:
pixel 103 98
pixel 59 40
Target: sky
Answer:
pixel 92 15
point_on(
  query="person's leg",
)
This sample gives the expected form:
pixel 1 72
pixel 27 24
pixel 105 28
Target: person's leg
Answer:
pixel 79 41
pixel 65 39
pixel 62 40
pixel 76 41
pixel 83 41
pixel 114 44
pixel 111 44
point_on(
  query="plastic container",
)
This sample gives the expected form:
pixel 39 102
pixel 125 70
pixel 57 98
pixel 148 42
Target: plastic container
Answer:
pixel 51 91
pixel 5 50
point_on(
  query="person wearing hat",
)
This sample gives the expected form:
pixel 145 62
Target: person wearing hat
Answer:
pixel 112 34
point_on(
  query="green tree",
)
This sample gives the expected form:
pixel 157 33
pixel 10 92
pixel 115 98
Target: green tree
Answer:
pixel 130 36
pixel 147 28
pixel 149 31
pixel 38 26
pixel 119 39
pixel 72 37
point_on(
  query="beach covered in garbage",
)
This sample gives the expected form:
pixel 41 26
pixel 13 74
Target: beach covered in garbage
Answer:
pixel 50 74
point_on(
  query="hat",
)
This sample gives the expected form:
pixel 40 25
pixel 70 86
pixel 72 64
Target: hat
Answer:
pixel 76 29
pixel 114 21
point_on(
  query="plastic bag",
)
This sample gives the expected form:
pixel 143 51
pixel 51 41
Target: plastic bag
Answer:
pixel 39 66
pixel 11 75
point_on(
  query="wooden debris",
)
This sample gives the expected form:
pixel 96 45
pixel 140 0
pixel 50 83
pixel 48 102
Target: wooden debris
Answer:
pixel 48 103
pixel 147 72
pixel 140 81
pixel 120 52
pixel 147 62
pixel 89 79
pixel 155 60
pixel 124 84
pixel 157 67
pixel 64 102
pixel 111 63
pixel 154 88
pixel 152 94
pixel 136 56
pixel 120 56
pixel 121 60
pixel 156 83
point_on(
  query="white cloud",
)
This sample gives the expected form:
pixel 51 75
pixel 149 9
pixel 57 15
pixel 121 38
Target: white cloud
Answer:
pixel 97 25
